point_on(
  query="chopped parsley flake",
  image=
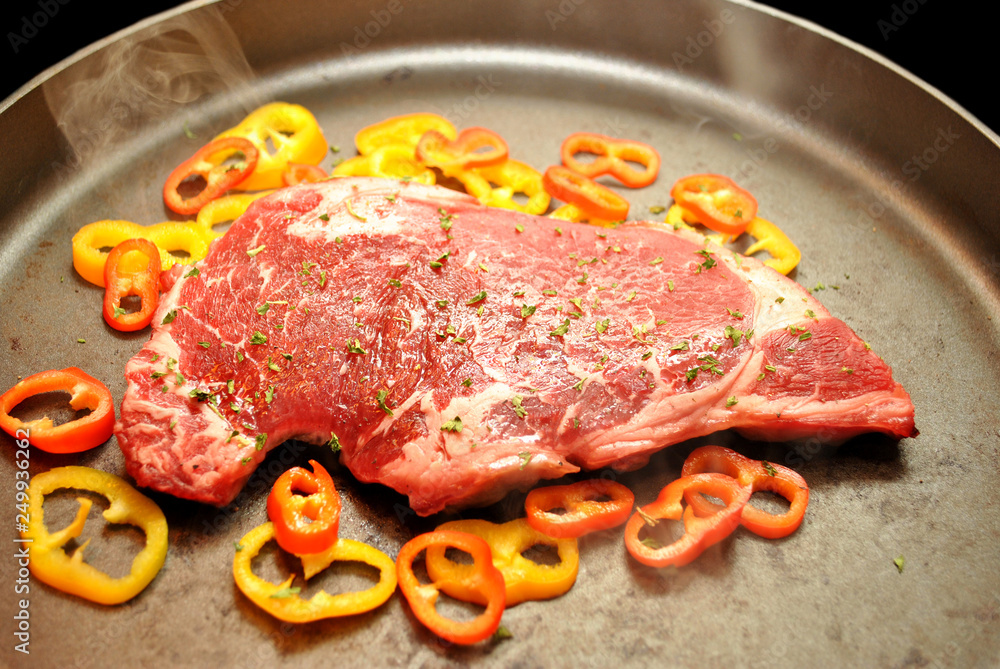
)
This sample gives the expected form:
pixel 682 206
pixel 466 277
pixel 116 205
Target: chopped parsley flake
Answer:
pixel 602 326
pixel 769 468
pixel 285 593
pixel 732 401
pixel 395 283
pixel 453 425
pixel 194 271
pixel 380 399
pixel 478 297
pixel 525 458
pixel 169 318
pixel 258 338
pixel 253 252
pixel 527 310
pixel 899 562
pixel 262 309
pixel 355 347
pixel 355 214
pixel 260 441
pixel 467 382
pixel 656 261
pixel 205 344
pixel 561 330
pixel 518 408
pixel 334 443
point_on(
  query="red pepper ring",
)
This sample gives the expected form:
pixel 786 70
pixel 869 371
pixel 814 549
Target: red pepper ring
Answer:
pixel 613 157
pixel 485 578
pixel 74 436
pixel 304 524
pixel 589 196
pixel 699 533
pixel 298 173
pixel 121 280
pixel 585 512
pixel 208 162
pixel 716 201
pixel 464 152
pixel 757 476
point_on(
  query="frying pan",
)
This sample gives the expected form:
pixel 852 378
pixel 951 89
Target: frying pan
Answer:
pixel 828 139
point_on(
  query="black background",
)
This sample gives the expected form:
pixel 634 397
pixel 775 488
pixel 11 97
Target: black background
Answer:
pixel 947 44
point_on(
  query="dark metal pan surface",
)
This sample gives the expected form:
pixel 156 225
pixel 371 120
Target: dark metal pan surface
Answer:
pixel 889 189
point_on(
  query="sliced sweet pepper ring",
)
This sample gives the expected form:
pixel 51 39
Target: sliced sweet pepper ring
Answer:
pixel 209 163
pixel 584 506
pixel 306 523
pixel 717 202
pixel 121 280
pixel 224 209
pixel 756 475
pixel 571 212
pixel 298 173
pixel 474 147
pixel 74 436
pixel 291 129
pixel 282 600
pixel 785 255
pixel 524 579
pixel 496 186
pixel 89 241
pixel 480 577
pixel 592 198
pixel 613 158
pixel 405 130
pixel 392 161
pixel 50 564
pixel 699 533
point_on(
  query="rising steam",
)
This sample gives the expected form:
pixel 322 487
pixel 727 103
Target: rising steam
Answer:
pixel 143 78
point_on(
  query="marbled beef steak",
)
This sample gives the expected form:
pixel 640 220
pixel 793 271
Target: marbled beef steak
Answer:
pixel 456 351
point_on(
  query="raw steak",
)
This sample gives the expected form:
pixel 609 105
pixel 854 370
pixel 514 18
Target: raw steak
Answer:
pixel 456 352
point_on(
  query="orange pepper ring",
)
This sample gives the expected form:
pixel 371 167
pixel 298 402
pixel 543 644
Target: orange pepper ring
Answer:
pixel 485 578
pixel 289 512
pixel 584 513
pixel 753 474
pixel 143 283
pixel 207 163
pixel 612 156
pixel 699 533
pixel 590 197
pixel 81 434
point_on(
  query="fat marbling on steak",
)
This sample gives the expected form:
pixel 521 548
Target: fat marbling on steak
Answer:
pixel 456 351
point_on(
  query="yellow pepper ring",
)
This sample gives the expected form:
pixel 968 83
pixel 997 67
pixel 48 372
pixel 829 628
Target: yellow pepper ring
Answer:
pixel 89 259
pixel 227 208
pixel 49 562
pixel 785 255
pixel 405 130
pixel 510 177
pixel 524 578
pixel 392 161
pixel 572 213
pixel 283 602
pixel 294 133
